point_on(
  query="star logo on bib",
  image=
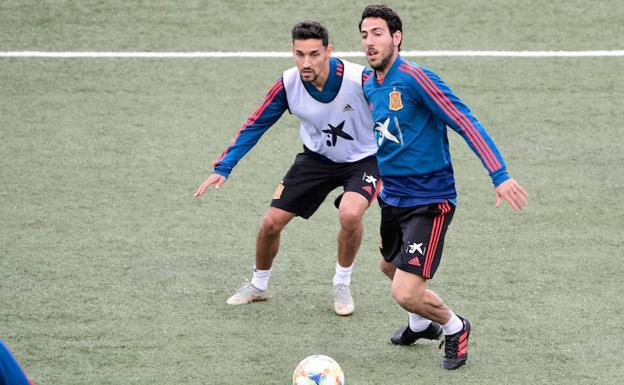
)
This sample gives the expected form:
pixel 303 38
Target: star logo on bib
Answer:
pixel 334 132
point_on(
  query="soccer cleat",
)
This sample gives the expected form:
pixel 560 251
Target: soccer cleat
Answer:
pixel 246 294
pixel 406 336
pixel 343 301
pixel 456 347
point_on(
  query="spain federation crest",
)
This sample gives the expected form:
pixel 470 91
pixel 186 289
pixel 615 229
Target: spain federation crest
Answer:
pixel 395 101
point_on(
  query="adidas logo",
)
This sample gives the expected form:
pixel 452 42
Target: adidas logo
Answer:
pixel 347 108
pixel 414 261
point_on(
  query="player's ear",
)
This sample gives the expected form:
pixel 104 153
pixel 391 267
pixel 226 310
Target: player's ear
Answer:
pixel 397 36
pixel 329 50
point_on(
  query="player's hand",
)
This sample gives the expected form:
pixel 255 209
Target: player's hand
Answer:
pixel 213 179
pixel 513 193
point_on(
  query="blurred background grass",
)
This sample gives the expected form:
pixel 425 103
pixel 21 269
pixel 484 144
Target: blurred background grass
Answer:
pixel 265 24
pixel 110 272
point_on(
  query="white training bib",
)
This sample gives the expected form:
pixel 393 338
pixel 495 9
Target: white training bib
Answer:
pixel 342 129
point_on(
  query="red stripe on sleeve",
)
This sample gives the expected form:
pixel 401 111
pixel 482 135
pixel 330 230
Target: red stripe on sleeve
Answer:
pixel 468 127
pixel 455 114
pixel 460 119
pixel 275 89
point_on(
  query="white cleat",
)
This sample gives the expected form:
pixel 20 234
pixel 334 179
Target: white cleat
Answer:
pixel 248 293
pixel 343 301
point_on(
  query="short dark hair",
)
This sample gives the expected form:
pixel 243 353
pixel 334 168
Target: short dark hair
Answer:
pixel 310 30
pixel 382 11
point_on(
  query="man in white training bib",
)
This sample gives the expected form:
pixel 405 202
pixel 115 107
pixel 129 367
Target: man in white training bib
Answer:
pixel 339 149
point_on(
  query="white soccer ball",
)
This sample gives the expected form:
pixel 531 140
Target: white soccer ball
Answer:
pixel 318 370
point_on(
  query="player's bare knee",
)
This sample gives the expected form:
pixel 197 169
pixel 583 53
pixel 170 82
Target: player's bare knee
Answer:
pixel 407 299
pixel 351 219
pixel 404 300
pixel 270 225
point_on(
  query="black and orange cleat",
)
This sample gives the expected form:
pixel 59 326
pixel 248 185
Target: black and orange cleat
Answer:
pixel 456 347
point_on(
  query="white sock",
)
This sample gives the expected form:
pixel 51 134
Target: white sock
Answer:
pixel 454 325
pixel 343 275
pixel 418 323
pixel 260 278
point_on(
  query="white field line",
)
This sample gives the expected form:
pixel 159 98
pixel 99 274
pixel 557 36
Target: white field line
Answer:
pixel 270 54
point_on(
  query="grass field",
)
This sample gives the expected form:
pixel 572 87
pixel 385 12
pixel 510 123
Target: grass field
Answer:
pixel 112 273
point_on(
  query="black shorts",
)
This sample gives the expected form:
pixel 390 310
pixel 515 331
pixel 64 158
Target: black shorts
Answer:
pixel 412 238
pixel 308 181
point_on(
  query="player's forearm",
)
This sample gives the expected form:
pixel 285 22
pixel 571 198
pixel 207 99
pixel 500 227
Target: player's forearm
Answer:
pixel 235 152
pixel 265 116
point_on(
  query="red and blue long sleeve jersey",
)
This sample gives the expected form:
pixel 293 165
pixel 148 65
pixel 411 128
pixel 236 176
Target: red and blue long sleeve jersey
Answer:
pixel 412 108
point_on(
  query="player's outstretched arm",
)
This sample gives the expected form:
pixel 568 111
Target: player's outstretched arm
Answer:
pixel 513 193
pixel 213 179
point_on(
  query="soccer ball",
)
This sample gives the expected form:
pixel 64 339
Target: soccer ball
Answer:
pixel 318 370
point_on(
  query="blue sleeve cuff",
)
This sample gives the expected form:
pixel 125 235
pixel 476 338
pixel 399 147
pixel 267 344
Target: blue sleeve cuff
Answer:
pixel 221 172
pixel 500 176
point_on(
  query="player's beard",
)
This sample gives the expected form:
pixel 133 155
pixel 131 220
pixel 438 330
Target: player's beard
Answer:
pixel 383 64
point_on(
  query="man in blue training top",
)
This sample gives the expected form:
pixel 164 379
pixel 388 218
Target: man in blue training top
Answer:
pixel 10 371
pixel 339 150
pixel 412 107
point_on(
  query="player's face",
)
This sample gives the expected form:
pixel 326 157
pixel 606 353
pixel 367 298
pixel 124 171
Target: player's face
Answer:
pixel 312 58
pixel 380 46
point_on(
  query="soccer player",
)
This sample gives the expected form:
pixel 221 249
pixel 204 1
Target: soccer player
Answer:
pixel 10 371
pixel 338 150
pixel 412 108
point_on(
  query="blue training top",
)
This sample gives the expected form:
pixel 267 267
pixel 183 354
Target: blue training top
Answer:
pixel 412 108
